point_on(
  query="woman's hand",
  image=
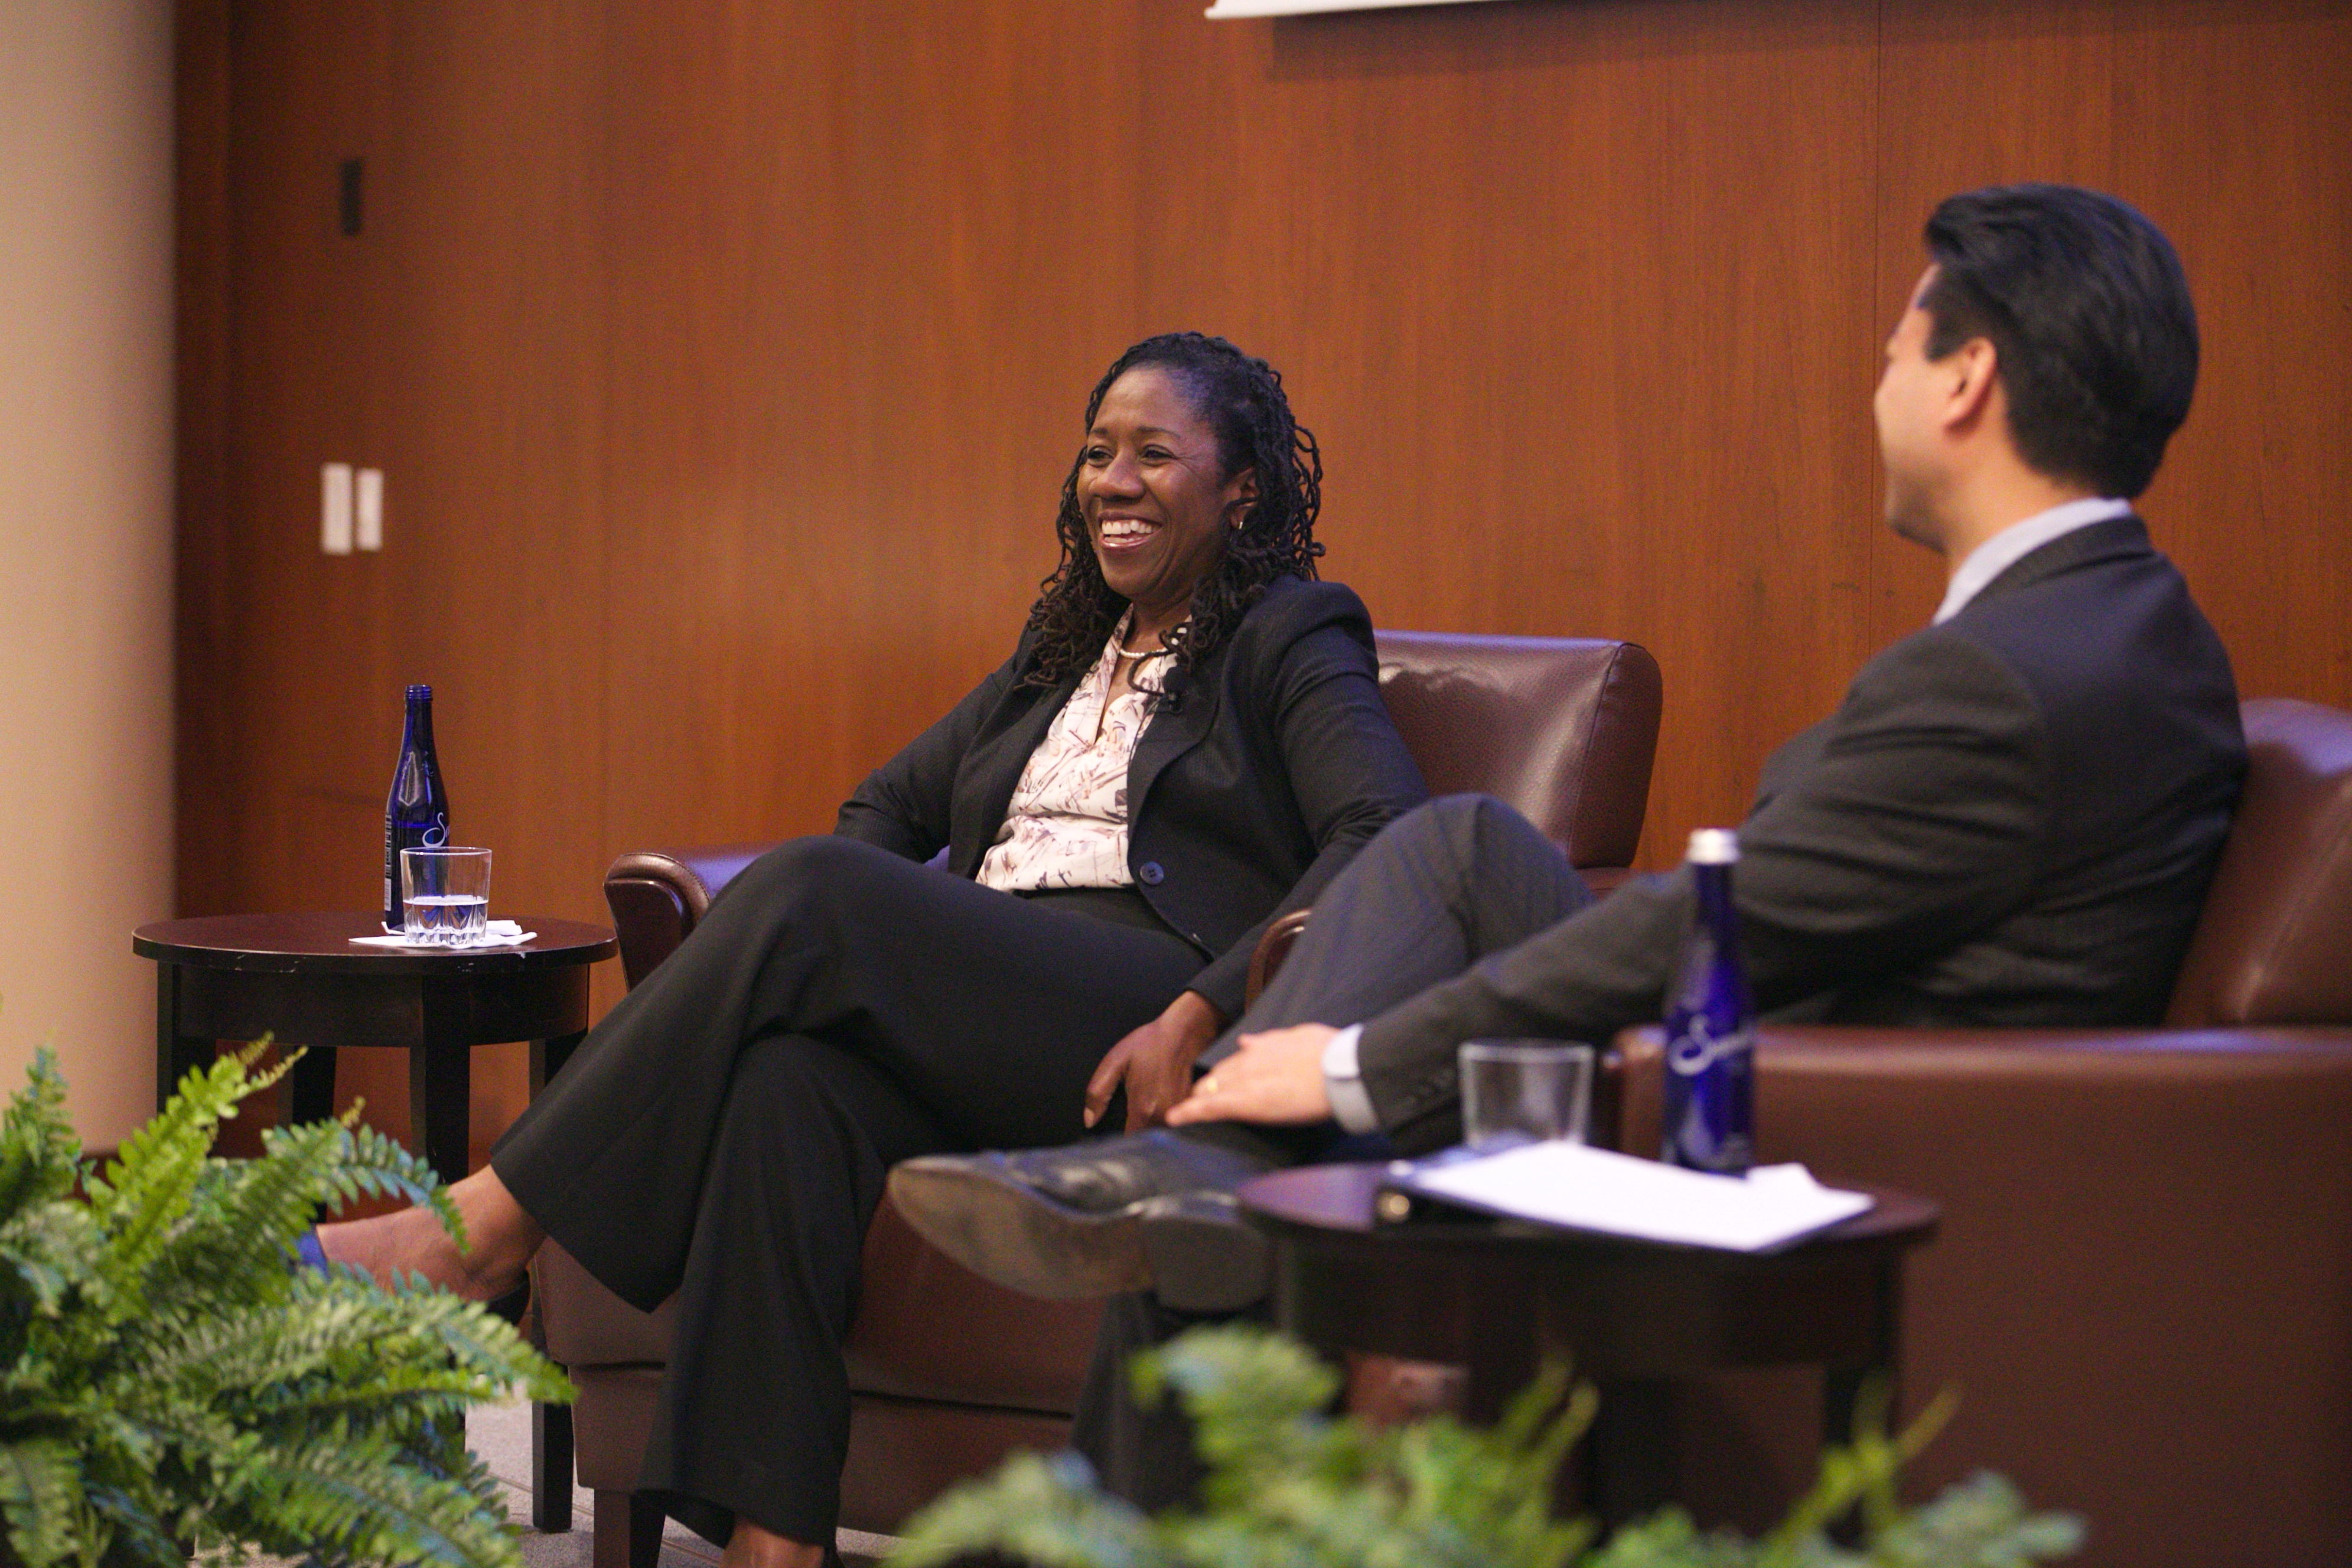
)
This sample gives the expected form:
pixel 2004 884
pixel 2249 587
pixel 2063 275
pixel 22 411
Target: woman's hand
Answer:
pixel 1155 1061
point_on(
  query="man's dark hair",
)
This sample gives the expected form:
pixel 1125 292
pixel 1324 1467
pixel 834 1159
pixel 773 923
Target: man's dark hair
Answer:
pixel 2090 320
pixel 1241 401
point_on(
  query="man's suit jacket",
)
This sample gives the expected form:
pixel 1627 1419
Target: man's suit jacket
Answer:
pixel 1254 782
pixel 2010 820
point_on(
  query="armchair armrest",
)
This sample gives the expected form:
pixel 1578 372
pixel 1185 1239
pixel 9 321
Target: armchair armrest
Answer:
pixel 2145 1262
pixel 658 896
pixel 1858 1093
pixel 1267 958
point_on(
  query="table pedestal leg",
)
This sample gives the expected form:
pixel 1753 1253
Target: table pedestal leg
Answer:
pixel 307 1093
pixel 440 1095
pixel 176 1055
pixel 548 1057
pixel 1844 1387
pixel 1635 1451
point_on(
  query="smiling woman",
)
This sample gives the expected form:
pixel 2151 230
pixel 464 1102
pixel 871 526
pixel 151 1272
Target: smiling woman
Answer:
pixel 1188 742
pixel 1156 499
pixel 1195 490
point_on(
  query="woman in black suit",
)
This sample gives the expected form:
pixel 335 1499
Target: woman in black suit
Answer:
pixel 1188 741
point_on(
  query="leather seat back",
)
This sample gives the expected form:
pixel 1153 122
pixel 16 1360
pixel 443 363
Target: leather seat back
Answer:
pixel 1561 729
pixel 2273 945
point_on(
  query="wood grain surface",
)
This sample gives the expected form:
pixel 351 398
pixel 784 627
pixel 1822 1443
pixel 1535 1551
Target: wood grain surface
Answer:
pixel 725 359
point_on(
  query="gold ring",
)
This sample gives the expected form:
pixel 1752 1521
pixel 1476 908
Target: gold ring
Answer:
pixel 1209 1084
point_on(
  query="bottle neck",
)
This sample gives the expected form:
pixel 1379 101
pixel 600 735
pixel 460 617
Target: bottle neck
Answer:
pixel 418 732
pixel 1712 885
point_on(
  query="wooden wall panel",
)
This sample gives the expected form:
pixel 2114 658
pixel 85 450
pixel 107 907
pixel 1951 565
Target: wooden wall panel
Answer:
pixel 290 619
pixel 2239 132
pixel 726 358
pixel 484 405
pixel 1562 384
pixel 205 640
pixel 845 396
pixel 457 343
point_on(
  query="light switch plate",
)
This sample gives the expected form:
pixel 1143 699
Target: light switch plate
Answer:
pixel 367 531
pixel 335 508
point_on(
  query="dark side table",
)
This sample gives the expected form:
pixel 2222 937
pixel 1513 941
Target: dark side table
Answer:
pixel 301 979
pixel 1496 1296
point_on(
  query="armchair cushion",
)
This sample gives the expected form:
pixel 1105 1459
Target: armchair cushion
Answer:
pixel 2143 1280
pixel 2274 943
pixel 1564 730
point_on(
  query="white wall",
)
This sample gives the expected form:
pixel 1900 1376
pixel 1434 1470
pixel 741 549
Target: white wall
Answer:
pixel 85 540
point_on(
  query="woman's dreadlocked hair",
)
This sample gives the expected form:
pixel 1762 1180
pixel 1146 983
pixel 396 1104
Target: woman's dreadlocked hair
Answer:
pixel 1243 401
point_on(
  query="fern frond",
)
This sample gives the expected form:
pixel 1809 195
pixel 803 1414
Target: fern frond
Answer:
pixel 355 1500
pixel 40 1495
pixel 1035 1509
pixel 39 1154
pixel 166 1379
pixel 473 1337
pixel 51 1249
pixel 151 1182
pixel 372 1165
pixel 134 1540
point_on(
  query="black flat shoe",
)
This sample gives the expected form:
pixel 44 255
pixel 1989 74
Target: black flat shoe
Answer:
pixel 1145 1211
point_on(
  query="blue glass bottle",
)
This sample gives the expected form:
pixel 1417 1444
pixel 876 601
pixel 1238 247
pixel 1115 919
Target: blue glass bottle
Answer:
pixel 417 814
pixel 1710 1115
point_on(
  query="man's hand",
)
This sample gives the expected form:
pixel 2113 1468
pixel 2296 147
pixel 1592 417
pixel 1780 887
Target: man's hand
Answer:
pixel 1275 1077
pixel 1156 1062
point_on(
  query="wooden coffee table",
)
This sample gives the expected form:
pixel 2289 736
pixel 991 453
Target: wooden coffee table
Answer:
pixel 301 979
pixel 1497 1296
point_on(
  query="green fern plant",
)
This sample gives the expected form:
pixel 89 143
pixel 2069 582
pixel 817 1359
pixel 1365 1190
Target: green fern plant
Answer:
pixel 1290 1486
pixel 170 1384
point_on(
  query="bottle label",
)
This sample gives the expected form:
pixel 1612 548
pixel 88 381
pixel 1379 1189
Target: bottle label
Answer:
pixel 1695 1048
pixel 1710 1096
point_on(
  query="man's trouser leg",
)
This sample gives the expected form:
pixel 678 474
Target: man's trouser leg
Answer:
pixel 1440 888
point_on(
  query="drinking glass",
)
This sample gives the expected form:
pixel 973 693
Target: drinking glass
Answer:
pixel 445 895
pixel 1524 1090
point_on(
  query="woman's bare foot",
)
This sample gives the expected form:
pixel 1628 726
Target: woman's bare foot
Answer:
pixel 502 1240
pixel 752 1547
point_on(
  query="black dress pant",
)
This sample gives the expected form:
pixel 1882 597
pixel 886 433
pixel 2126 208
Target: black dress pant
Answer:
pixel 724 1134
pixel 1440 888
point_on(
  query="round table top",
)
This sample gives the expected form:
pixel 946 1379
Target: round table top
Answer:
pixel 1335 1203
pixel 321 944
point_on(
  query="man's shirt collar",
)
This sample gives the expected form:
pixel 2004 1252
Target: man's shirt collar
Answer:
pixel 2017 541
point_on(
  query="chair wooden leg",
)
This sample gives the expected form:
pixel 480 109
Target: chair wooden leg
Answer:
pixel 628 1531
pixel 550 1469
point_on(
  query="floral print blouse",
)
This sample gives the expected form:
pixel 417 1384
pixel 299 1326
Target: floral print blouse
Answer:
pixel 1066 825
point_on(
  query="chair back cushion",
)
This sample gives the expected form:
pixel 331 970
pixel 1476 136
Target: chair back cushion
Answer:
pixel 1561 729
pixel 2274 943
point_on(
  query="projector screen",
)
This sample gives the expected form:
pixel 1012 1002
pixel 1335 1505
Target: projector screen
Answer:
pixel 1226 9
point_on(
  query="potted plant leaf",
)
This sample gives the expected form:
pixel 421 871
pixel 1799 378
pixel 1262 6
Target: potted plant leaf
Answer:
pixel 171 1383
pixel 1290 1485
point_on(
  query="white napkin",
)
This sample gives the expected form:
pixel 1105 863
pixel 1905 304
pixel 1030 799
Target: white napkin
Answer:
pixel 496 934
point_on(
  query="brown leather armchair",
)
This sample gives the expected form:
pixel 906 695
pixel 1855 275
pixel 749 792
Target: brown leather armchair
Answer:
pixel 948 1372
pixel 2142 1286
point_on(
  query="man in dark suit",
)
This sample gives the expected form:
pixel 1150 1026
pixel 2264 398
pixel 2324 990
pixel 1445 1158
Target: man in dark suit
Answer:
pixel 2010 820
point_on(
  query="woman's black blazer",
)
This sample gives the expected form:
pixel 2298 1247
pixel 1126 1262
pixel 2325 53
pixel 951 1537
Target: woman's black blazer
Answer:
pixel 1254 782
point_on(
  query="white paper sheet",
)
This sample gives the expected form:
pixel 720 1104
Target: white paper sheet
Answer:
pixel 1594 1189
